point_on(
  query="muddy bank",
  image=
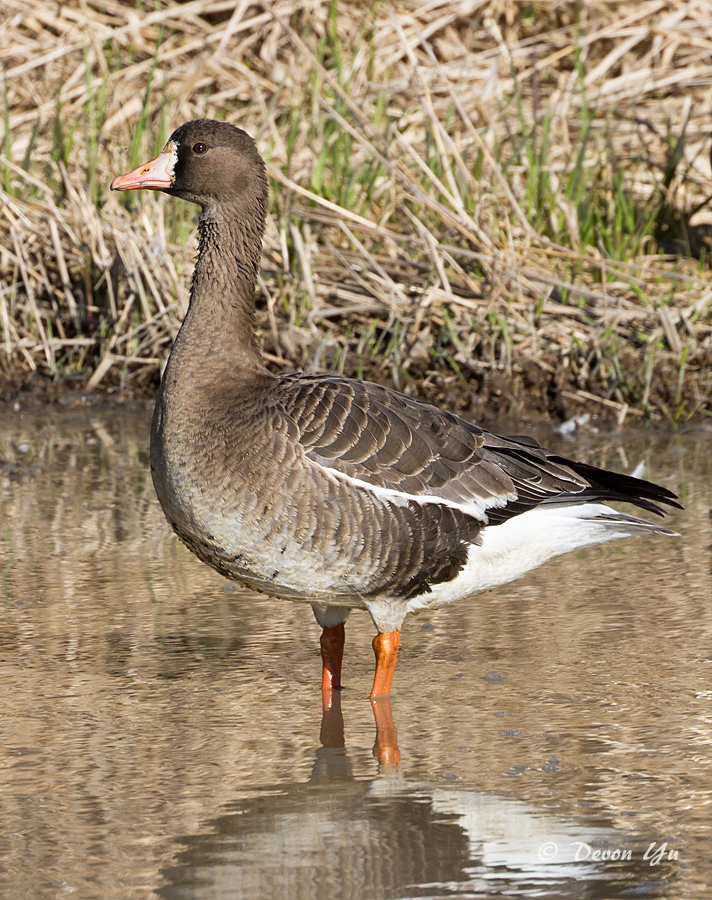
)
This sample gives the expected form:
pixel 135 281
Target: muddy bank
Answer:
pixel 548 389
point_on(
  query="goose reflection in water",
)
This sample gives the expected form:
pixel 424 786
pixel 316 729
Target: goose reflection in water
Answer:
pixel 337 837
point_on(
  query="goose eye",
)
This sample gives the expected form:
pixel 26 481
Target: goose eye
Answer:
pixel 200 147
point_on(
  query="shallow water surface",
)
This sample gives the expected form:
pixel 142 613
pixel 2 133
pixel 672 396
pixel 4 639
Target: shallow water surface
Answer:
pixel 162 732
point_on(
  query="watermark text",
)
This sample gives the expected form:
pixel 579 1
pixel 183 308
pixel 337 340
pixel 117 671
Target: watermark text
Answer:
pixel 578 851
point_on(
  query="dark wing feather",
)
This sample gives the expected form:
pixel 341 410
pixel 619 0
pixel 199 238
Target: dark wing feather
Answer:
pixel 383 438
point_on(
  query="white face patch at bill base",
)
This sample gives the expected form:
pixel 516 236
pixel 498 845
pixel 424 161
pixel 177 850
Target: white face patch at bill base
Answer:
pixel 170 153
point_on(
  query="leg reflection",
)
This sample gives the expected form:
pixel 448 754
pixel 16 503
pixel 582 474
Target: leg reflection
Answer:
pixel 332 721
pixel 386 747
pixel 332 759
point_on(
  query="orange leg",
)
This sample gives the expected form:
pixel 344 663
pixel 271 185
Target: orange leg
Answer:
pixel 332 653
pixel 385 646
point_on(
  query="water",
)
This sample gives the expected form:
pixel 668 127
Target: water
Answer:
pixel 162 732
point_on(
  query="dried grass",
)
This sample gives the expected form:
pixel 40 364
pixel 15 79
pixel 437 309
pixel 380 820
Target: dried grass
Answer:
pixel 483 202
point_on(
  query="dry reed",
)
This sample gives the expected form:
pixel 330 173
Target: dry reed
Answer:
pixel 493 204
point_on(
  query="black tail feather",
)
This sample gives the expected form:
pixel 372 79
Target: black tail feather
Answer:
pixel 607 485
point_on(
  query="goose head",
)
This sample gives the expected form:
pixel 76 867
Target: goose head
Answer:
pixel 213 164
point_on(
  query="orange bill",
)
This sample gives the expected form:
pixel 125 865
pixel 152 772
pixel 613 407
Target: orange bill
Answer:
pixel 156 174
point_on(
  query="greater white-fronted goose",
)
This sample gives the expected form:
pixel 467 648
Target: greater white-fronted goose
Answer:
pixel 329 490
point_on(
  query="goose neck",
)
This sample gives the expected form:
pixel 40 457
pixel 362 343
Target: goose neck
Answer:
pixel 222 290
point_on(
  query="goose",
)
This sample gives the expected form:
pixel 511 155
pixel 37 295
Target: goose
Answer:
pixel 330 490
